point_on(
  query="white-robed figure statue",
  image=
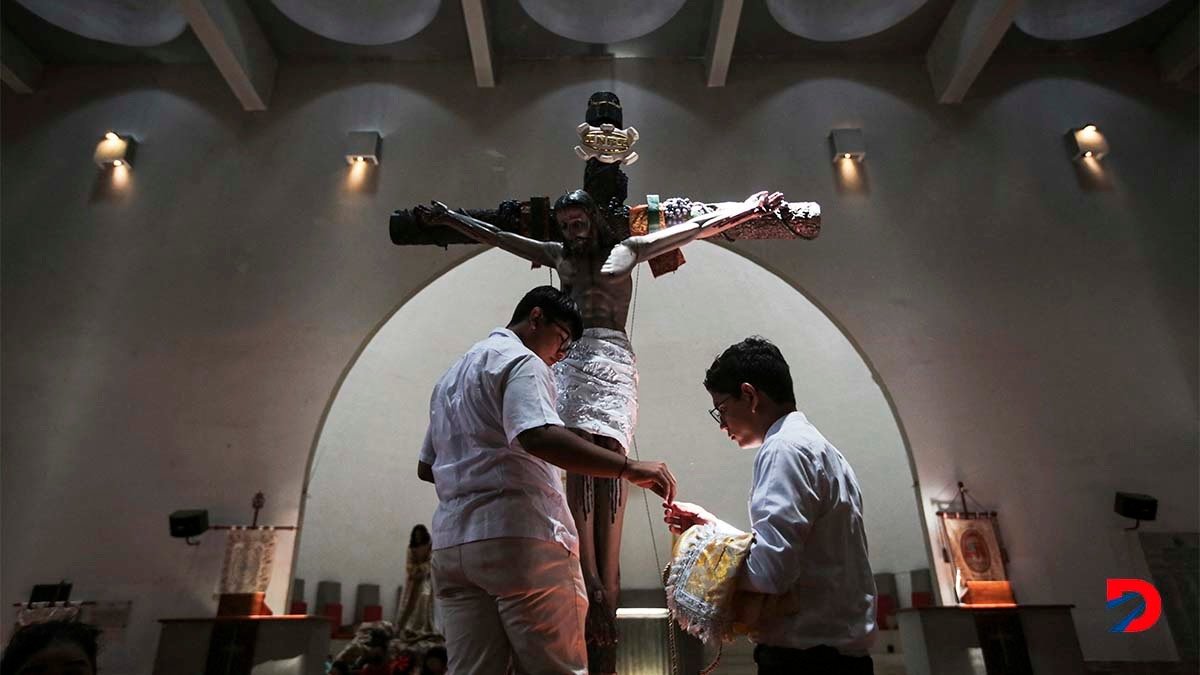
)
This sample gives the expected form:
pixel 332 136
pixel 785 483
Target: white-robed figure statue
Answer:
pixel 597 381
pixel 414 613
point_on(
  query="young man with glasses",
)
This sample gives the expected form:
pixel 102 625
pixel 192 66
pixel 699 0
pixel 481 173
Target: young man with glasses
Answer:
pixel 806 514
pixel 506 552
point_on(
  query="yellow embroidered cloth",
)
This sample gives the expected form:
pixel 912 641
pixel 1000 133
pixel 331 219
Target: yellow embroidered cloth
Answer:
pixel 702 580
pixel 701 585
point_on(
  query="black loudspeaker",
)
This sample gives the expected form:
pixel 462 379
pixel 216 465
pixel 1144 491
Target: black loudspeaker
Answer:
pixel 60 592
pixel 1135 506
pixel 189 523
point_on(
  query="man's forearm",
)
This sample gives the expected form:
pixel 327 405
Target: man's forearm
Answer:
pixel 567 451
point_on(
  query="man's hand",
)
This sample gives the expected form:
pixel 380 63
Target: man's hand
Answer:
pixel 620 261
pixel 679 516
pixel 654 476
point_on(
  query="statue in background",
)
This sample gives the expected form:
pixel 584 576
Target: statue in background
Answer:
pixel 412 634
pixel 414 612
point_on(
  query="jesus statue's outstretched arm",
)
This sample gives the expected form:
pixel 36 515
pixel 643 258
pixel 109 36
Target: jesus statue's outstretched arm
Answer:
pixel 547 253
pixel 641 248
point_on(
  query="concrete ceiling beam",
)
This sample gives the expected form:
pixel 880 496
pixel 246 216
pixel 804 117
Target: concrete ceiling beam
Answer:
pixel 727 14
pixel 1177 54
pixel 20 68
pixel 968 37
pixel 475 15
pixel 237 46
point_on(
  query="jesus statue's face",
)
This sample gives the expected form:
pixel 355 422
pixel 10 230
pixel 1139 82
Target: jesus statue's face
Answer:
pixel 579 237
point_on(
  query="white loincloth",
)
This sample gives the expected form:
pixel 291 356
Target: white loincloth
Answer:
pixel 597 385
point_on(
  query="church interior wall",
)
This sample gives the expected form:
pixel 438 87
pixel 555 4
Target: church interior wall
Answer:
pixel 172 341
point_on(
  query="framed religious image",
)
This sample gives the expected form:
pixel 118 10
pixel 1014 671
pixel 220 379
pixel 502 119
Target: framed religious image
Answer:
pixel 974 545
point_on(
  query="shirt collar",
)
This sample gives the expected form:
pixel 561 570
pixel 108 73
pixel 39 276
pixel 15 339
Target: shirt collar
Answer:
pixel 778 425
pixel 507 333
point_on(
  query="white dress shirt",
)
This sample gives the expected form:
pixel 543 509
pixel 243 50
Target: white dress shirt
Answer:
pixel 807 518
pixel 488 486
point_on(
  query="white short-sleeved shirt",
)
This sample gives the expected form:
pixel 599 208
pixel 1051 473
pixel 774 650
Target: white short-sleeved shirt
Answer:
pixel 487 485
pixel 807 516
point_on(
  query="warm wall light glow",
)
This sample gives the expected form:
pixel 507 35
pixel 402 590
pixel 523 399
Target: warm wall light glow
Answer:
pixel 849 175
pixel 358 174
pixel 120 175
pixel 1087 141
pixel 113 150
pixel 1092 174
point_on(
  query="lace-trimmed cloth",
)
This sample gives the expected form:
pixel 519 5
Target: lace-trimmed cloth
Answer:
pixel 249 555
pixel 701 585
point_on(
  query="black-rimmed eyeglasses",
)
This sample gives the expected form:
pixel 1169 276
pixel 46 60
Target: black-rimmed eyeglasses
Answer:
pixel 716 411
pixel 565 344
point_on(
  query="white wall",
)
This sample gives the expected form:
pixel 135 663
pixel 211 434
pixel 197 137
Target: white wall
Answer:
pixel 364 496
pixel 175 343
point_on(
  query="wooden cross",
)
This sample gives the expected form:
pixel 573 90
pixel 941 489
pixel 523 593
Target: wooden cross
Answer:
pixel 606 147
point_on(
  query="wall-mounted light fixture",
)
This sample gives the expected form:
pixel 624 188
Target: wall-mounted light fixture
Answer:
pixel 115 151
pixel 847 144
pixel 362 146
pixel 1087 142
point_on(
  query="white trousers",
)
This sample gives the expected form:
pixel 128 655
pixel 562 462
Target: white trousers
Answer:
pixel 511 604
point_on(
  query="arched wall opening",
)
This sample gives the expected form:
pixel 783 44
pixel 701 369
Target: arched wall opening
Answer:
pixel 362 495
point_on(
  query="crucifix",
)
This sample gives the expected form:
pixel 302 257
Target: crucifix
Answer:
pixel 594 241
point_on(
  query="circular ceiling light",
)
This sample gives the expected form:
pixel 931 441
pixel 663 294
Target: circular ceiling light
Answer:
pixel 361 22
pixel 1078 19
pixel 840 20
pixel 132 23
pixel 602 23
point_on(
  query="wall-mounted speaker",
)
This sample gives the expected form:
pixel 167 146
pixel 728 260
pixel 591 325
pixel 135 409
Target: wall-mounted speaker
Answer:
pixel 1135 506
pixel 189 523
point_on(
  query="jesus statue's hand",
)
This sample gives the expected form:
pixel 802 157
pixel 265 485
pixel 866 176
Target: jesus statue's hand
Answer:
pixel 680 516
pixel 436 214
pixel 765 202
pixel 620 261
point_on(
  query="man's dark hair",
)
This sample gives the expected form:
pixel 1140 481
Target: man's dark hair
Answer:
pixel 580 199
pixel 31 639
pixel 556 306
pixel 756 361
